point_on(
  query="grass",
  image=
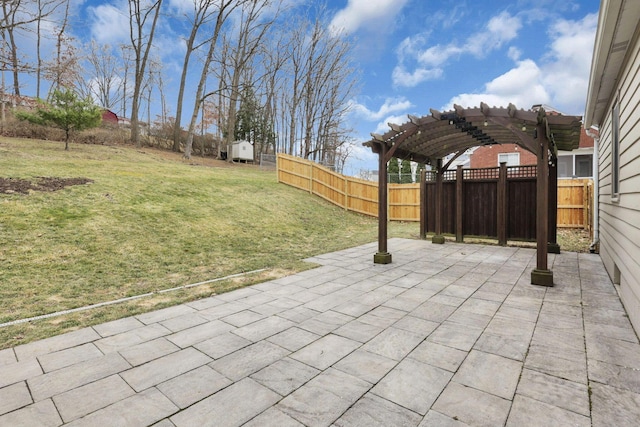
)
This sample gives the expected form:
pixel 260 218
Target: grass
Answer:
pixel 148 221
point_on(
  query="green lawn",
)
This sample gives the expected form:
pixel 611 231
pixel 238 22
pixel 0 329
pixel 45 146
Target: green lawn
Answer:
pixel 148 221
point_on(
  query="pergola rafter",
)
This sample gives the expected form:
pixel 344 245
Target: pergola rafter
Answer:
pixel 428 139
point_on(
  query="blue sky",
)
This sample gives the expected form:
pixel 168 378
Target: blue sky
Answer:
pixel 421 54
pixel 414 55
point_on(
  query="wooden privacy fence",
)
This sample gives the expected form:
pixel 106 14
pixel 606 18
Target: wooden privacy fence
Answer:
pixel 489 202
pixel 574 196
pixel 575 203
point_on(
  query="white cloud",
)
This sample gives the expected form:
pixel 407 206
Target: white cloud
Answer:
pixel 521 86
pixel 499 30
pixel 514 53
pixel 383 126
pixel 560 79
pixel 390 105
pixel 359 13
pixel 402 77
pixel 110 23
pixel 567 67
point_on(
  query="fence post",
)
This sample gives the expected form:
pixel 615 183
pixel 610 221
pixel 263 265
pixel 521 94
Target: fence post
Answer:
pixel 346 193
pixel 459 176
pixel 438 237
pixel 552 245
pixel 310 165
pixel 502 205
pixel 423 204
pixel 585 205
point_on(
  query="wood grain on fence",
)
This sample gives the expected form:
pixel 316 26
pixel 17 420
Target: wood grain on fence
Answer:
pixel 575 201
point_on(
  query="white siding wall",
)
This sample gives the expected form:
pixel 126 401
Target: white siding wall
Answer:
pixel 620 220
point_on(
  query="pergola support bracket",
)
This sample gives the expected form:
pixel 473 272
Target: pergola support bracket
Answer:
pixel 542 277
pixel 438 239
pixel 553 248
pixel 382 258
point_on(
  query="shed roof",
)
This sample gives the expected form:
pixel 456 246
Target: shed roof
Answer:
pixel 431 137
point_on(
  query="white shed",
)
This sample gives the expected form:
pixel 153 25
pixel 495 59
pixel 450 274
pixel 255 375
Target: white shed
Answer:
pixel 242 151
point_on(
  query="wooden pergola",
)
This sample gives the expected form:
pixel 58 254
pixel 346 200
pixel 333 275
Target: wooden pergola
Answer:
pixel 429 139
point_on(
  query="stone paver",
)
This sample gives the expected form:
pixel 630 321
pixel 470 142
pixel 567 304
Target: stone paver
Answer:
pixel 323 399
pixel 75 376
pixel 373 411
pixel 89 398
pixel 447 335
pixel 413 385
pixel 326 351
pixel 471 406
pixel 285 375
pixel 14 397
pixel 231 406
pixel 187 389
pixel 167 367
pixel 487 372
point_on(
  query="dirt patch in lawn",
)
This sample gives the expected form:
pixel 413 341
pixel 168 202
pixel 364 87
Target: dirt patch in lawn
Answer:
pixel 43 183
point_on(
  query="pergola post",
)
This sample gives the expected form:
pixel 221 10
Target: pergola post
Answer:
pixel 541 275
pixel 438 237
pixel 553 246
pixel 459 202
pixel 382 256
pixel 502 205
pixel 423 204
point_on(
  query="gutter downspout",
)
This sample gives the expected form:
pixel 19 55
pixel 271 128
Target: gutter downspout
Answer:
pixel 594 246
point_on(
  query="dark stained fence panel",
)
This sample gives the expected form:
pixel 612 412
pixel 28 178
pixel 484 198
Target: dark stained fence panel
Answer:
pixel 449 207
pixel 480 208
pixel 480 204
pixel 521 212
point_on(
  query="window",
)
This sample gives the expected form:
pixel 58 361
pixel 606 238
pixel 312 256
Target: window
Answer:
pixel 575 166
pixel 565 166
pixel 584 165
pixel 511 159
pixel 615 150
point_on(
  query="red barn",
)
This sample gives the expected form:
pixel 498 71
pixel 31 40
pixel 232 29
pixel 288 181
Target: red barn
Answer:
pixel 109 117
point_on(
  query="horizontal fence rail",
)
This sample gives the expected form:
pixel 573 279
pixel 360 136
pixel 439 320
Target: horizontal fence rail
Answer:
pixel 575 196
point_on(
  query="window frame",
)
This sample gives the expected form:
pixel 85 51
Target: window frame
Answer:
pixel 615 150
pixel 509 154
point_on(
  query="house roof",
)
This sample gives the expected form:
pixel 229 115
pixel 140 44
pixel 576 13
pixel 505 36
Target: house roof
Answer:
pixel 428 138
pixel 617 25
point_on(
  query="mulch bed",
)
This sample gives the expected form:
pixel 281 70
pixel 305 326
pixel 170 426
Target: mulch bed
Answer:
pixel 43 183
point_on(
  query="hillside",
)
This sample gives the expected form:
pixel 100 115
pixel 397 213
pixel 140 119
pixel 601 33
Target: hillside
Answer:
pixel 99 223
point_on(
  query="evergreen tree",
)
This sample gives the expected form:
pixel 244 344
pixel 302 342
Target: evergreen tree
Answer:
pixel 405 172
pixel 419 169
pixel 394 171
pixel 66 111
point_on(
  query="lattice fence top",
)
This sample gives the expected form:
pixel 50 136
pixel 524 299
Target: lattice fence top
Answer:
pixel 528 171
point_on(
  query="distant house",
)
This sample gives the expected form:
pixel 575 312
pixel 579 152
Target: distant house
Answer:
pixel 613 107
pixel 490 156
pixel 571 164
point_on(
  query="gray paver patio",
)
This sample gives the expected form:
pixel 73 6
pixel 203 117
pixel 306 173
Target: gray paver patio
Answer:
pixel 446 335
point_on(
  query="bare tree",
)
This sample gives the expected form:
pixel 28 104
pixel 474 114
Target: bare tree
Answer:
pixel 320 83
pixel 250 36
pixel 64 69
pixel 223 9
pixel 11 21
pixel 103 74
pixel 142 26
pixel 204 11
pixel 45 8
